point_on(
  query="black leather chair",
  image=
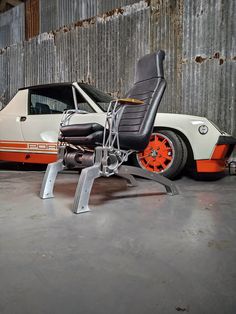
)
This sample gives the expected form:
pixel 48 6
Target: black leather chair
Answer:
pixel 101 151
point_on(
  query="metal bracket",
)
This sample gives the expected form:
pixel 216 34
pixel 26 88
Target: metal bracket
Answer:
pixel 167 183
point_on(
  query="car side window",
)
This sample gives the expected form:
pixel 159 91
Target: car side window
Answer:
pixel 50 100
pixel 55 100
pixel 46 105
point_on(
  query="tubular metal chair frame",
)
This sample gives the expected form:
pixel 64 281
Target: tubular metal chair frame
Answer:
pixel 108 160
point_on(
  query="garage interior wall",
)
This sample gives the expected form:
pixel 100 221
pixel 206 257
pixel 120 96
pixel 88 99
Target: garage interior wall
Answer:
pixel 69 11
pixel 103 49
pixel 12 26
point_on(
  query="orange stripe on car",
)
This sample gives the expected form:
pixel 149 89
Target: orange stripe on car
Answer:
pixel 28 157
pixel 32 146
pixel 13 145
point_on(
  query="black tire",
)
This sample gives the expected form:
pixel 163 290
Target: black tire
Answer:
pixel 177 151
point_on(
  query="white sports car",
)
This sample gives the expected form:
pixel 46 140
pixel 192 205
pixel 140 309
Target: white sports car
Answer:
pixel 29 127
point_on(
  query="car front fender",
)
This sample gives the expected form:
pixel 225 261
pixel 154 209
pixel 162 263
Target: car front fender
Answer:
pixel 202 144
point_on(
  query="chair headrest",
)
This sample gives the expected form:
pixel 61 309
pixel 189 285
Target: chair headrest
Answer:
pixel 150 66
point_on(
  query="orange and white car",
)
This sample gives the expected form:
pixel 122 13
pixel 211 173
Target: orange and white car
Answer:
pixel 29 127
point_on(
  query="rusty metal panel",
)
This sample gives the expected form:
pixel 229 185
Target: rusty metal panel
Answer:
pixel 117 46
pixel 200 57
pixel 166 34
pixel 63 56
pixel 58 13
pixel 39 63
pixel 31 18
pixel 102 51
pixel 11 71
pixel 48 15
pixel 15 68
pixel 12 26
pixel 208 61
pixel 3 77
pixel 104 6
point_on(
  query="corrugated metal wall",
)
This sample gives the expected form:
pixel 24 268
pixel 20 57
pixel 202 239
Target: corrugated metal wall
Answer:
pixel 12 26
pixel 209 61
pixel 166 32
pixel 101 51
pixel 197 36
pixel 57 13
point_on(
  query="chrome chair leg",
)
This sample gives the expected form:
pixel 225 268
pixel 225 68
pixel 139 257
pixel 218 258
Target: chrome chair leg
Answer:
pixel 49 178
pixel 84 187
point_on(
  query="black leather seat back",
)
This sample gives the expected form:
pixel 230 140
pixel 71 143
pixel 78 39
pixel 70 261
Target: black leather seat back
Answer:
pixel 137 121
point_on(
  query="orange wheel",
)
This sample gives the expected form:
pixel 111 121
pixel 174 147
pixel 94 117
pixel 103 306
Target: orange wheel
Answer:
pixel 166 153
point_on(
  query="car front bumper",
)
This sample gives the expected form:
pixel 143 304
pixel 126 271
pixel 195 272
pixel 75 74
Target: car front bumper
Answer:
pixel 221 153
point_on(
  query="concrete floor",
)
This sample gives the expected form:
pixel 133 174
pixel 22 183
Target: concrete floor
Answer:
pixel 139 251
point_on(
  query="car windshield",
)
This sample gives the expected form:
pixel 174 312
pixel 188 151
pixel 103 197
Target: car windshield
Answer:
pixel 100 98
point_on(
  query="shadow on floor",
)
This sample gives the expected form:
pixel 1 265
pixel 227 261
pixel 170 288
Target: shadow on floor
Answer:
pixel 12 166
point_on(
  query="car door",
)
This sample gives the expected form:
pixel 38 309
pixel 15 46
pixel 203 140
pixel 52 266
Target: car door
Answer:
pixel 10 117
pixel 45 107
pixel 11 138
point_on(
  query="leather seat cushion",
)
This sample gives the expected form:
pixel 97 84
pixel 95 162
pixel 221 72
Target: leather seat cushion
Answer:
pixel 127 140
pixel 90 140
pixel 80 130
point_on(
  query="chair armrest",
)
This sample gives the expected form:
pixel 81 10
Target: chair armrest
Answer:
pixel 129 101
